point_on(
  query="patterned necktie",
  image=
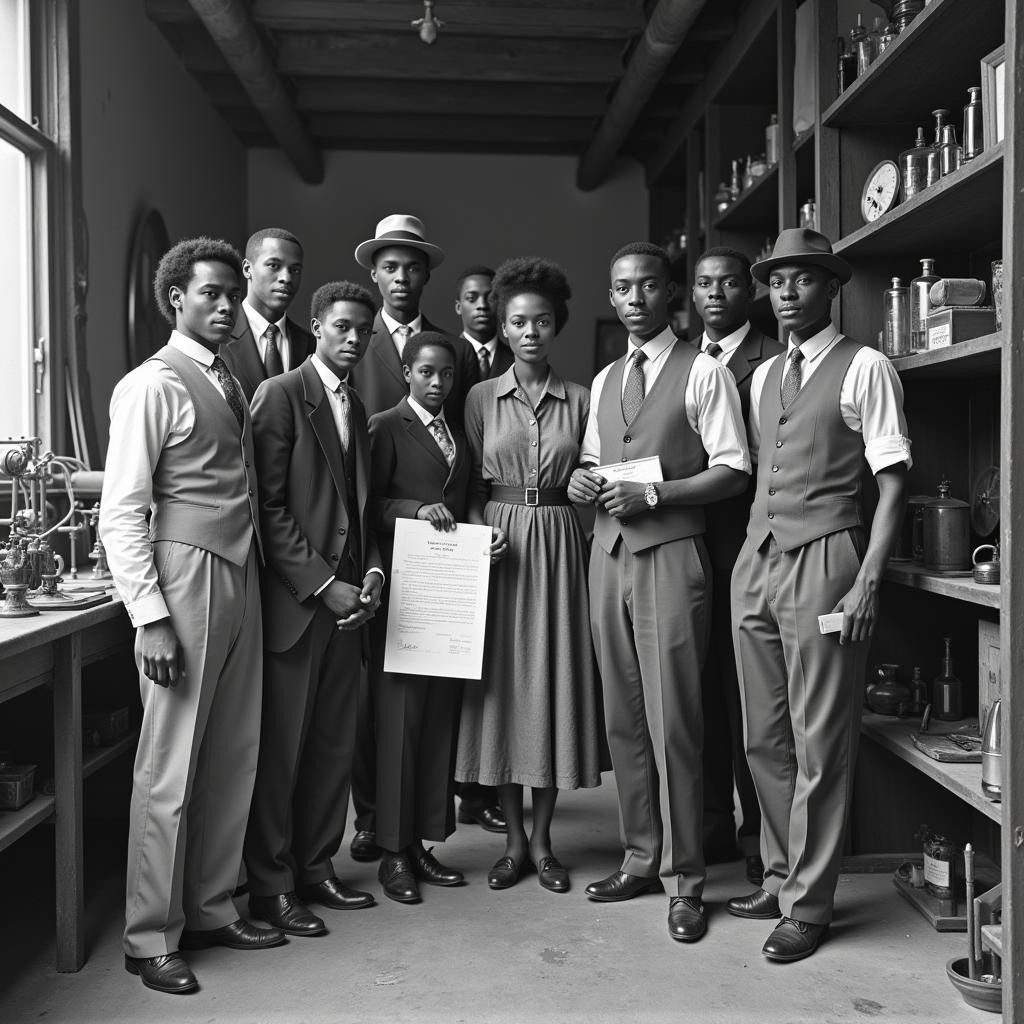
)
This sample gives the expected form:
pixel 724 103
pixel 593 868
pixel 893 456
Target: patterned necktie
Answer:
pixel 272 361
pixel 402 333
pixel 714 350
pixel 343 419
pixel 794 377
pixel 633 394
pixel 436 427
pixel 230 389
pixel 485 363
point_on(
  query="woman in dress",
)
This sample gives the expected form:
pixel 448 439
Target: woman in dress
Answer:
pixel 534 719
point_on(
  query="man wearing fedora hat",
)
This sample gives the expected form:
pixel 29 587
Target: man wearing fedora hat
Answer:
pixel 400 259
pixel 816 414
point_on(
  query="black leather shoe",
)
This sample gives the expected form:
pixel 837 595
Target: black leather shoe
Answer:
pixel 506 872
pixel 488 818
pixel 760 905
pixel 167 973
pixel 553 875
pixel 686 920
pixel 287 912
pixel 364 846
pixel 238 935
pixel 395 875
pixel 793 940
pixel 621 886
pixel 333 893
pixel 755 869
pixel 427 868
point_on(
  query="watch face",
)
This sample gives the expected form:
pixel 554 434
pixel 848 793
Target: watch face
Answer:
pixel 880 191
pixel 651 495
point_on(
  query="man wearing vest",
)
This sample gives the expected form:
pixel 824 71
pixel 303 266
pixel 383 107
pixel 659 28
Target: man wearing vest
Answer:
pixel 816 414
pixel 181 448
pixel 650 578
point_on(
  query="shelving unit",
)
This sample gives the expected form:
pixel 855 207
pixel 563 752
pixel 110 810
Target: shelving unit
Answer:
pixel 961 588
pixel 754 206
pixel 14 824
pixel 979 357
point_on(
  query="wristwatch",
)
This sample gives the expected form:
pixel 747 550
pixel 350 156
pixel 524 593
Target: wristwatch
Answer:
pixel 651 496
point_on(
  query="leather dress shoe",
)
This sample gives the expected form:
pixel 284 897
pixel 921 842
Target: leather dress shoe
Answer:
pixel 552 875
pixel 364 846
pixel 167 973
pixel 488 818
pixel 760 905
pixel 287 912
pixel 395 875
pixel 686 920
pixel 621 886
pixel 427 868
pixel 793 940
pixel 333 893
pixel 755 869
pixel 237 935
pixel 507 871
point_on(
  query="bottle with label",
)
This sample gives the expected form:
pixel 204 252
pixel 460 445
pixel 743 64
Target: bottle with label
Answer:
pixel 947 690
pixel 897 320
pixel 934 157
pixel 914 166
pixel 919 289
pixel 974 140
pixel 771 141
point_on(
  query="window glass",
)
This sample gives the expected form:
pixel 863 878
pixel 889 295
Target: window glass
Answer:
pixel 16 386
pixel 14 50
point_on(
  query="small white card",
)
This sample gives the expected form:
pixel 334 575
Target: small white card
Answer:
pixel 831 623
pixel 641 471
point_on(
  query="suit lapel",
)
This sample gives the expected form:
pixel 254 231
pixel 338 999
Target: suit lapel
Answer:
pixel 321 419
pixel 300 341
pixel 382 347
pixel 247 355
pixel 418 432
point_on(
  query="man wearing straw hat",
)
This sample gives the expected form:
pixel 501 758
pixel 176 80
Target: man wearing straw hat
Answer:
pixel 817 413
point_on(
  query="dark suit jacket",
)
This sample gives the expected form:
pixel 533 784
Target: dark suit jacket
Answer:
pixel 502 360
pixel 303 511
pixel 242 354
pixel 408 470
pixel 379 380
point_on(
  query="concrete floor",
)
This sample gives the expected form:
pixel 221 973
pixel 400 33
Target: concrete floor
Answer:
pixel 472 955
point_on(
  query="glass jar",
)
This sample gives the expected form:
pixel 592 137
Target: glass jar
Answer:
pixel 896 308
pixel 914 166
pixel 920 286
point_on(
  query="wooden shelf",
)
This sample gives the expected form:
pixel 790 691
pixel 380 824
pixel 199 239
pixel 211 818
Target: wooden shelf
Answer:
pixel 979 357
pixel 961 588
pixel 14 824
pixel 930 65
pixel 961 212
pixel 992 938
pixel 98 757
pixel 963 780
pixel 755 207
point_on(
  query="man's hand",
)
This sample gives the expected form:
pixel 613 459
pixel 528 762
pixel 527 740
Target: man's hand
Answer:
pixel 369 602
pixel 342 598
pixel 623 499
pixel 860 611
pixel 499 544
pixel 163 659
pixel 584 486
pixel 439 516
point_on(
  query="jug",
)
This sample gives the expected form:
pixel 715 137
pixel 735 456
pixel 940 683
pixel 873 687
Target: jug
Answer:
pixel 887 695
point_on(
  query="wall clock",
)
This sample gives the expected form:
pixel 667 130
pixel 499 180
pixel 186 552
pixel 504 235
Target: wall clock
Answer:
pixel 881 191
pixel 147 329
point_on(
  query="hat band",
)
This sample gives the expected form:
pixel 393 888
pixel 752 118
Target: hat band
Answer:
pixel 404 236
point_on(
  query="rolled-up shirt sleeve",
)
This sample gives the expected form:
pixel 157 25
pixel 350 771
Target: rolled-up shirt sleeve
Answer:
pixel 872 402
pixel 714 411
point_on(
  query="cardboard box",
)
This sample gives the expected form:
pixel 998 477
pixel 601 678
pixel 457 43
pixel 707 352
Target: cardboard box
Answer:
pixel 950 325
pixel 989 681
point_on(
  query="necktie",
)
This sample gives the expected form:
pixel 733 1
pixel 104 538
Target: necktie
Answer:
pixel 485 363
pixel 402 333
pixel 633 394
pixel 436 427
pixel 230 389
pixel 272 361
pixel 794 377
pixel 714 350
pixel 342 415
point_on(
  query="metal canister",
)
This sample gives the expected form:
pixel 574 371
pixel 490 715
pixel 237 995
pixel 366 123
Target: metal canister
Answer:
pixel 974 140
pixel 986 571
pixel 957 291
pixel 992 753
pixel 947 534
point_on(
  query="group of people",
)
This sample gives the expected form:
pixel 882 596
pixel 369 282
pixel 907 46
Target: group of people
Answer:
pixel 256 466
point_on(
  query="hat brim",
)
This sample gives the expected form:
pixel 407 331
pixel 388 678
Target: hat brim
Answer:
pixel 834 264
pixel 365 251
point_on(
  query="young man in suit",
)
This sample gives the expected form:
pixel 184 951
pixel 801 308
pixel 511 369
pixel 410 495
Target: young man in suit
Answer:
pixel 322 584
pixel 400 260
pixel 722 293
pixel 649 578
pixel 181 453
pixel 420 470
pixel 479 323
pixel 264 341
pixel 816 415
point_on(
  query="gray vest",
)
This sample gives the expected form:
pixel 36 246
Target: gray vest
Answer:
pixel 660 428
pixel 810 462
pixel 204 488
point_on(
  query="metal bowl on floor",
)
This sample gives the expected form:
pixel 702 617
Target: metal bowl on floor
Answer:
pixel 978 992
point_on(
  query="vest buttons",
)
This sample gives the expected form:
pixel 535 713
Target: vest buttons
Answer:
pixel 771 515
pixel 533 444
pixel 624 459
pixel 334 558
pixel 771 490
pixel 775 469
pixel 778 444
pixel 627 439
pixel 782 420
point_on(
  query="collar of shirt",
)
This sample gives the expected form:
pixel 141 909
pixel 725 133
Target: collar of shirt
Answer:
pixel 200 353
pixel 258 324
pixel 508 384
pixel 415 326
pixel 817 345
pixel 728 344
pixel 491 345
pixel 424 414
pixel 327 375
pixel 655 347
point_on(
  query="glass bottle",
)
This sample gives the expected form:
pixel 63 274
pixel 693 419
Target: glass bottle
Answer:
pixel 974 140
pixel 897 320
pixel 748 175
pixel 919 288
pixel 860 40
pixel 947 690
pixel 934 165
pixel 914 166
pixel 886 39
pixel 919 692
pixel 847 66
pixel 734 180
pixel 905 11
pixel 877 29
pixel 771 141
pixel 950 153
pixel 809 215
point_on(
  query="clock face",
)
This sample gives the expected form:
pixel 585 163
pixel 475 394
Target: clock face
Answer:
pixel 880 191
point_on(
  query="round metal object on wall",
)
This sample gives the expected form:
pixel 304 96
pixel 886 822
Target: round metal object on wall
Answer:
pixel 985 502
pixel 147 329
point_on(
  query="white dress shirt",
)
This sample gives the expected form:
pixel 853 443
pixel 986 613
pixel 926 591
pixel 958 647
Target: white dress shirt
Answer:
pixel 427 417
pixel 491 346
pixel 258 324
pixel 710 399
pixel 870 400
pixel 728 344
pixel 150 410
pixel 415 326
